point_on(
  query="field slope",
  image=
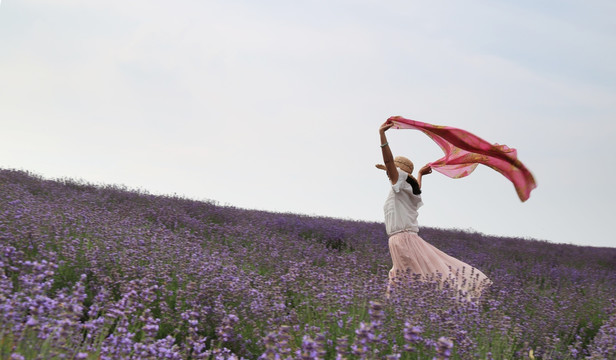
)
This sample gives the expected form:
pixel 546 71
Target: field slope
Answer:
pixel 104 272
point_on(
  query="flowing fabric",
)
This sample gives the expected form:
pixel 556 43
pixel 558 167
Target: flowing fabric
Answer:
pixel 464 151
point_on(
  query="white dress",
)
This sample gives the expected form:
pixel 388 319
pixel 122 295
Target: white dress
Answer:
pixel 410 253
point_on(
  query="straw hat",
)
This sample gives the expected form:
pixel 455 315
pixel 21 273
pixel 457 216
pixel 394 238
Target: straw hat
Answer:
pixel 401 162
pixel 404 164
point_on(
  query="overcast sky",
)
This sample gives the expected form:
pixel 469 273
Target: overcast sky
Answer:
pixel 276 105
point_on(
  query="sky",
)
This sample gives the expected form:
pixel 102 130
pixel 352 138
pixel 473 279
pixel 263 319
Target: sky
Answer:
pixel 275 105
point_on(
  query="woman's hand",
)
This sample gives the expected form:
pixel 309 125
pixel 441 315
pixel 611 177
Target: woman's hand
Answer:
pixel 386 126
pixel 427 169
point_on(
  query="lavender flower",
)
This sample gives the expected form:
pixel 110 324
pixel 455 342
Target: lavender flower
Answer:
pixel 443 348
pixel 342 347
pixel 225 330
pixel 309 349
pixel 412 336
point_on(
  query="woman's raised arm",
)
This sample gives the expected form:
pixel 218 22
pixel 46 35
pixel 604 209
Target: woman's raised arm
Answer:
pixel 427 169
pixel 388 157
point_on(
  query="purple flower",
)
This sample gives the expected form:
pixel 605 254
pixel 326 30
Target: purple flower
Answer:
pixel 342 346
pixel 31 321
pixel 443 348
pixel 308 350
pixel 412 336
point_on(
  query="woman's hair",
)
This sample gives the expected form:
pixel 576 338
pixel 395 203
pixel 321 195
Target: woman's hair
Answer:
pixel 414 184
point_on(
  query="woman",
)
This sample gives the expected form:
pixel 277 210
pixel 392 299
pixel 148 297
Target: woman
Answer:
pixel 409 252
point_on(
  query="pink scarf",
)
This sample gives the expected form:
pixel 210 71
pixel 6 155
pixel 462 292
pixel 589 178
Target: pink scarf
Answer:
pixel 463 151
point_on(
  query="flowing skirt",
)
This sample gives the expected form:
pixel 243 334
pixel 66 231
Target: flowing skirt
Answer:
pixel 411 254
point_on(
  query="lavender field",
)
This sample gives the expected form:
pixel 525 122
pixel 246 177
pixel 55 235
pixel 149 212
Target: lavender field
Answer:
pixel 104 272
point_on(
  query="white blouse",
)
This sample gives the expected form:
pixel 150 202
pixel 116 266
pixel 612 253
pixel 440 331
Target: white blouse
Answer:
pixel 401 207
